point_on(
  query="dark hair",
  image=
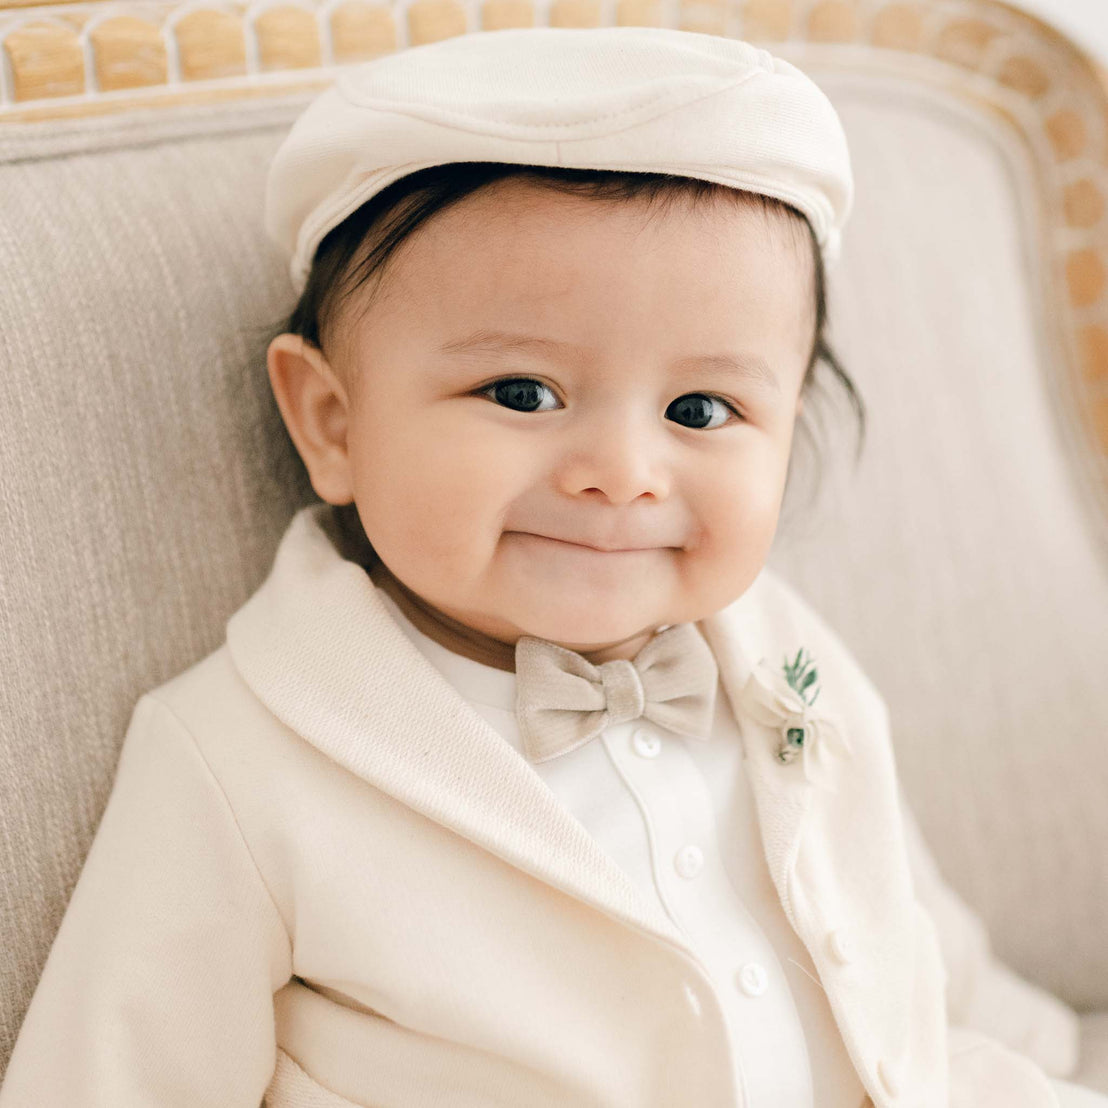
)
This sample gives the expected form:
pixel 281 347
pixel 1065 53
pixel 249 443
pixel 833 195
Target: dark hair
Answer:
pixel 342 265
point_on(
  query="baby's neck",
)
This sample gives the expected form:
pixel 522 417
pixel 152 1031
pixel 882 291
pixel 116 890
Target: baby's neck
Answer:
pixel 455 636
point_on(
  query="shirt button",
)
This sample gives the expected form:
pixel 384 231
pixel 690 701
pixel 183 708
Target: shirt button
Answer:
pixel 842 949
pixel 646 745
pixel 889 1077
pixel 689 861
pixel 752 979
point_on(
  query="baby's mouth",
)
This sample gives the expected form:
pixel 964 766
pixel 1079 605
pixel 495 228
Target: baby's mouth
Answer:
pixel 586 546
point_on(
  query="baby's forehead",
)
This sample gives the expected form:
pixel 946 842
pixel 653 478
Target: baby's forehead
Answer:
pixel 518 255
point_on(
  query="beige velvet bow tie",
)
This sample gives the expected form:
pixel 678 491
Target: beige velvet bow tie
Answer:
pixel 563 700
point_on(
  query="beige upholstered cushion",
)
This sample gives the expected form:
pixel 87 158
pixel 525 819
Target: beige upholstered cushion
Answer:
pixel 145 482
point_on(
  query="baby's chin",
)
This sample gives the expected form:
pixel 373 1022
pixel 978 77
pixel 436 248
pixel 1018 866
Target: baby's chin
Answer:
pixel 593 619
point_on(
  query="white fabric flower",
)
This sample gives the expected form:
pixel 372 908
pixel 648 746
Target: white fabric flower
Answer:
pixel 806 732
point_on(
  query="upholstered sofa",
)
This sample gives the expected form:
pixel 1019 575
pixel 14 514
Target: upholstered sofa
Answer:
pixel 145 479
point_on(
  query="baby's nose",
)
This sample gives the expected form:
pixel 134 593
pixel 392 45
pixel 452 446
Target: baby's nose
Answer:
pixel 616 458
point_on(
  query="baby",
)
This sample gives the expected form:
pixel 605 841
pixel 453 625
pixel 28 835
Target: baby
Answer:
pixel 521 781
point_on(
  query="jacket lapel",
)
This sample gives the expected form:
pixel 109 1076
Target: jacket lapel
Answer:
pixel 782 799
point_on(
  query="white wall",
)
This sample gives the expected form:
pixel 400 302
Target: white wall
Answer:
pixel 1086 21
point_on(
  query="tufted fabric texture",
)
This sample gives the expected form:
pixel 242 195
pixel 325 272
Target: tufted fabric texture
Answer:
pixel 145 481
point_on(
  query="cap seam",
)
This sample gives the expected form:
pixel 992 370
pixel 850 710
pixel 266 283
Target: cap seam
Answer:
pixel 436 114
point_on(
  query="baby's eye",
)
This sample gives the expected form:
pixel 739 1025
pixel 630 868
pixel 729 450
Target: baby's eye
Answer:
pixel 524 393
pixel 696 406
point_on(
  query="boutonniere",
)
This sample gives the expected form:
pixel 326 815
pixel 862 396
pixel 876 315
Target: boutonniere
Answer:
pixel 786 702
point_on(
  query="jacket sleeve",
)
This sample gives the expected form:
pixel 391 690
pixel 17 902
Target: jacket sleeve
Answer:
pixel 158 989
pixel 983 994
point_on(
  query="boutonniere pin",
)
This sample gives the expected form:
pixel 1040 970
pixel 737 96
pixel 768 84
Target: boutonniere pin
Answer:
pixel 786 701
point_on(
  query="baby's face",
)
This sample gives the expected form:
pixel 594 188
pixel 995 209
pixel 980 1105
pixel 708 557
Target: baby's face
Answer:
pixel 486 501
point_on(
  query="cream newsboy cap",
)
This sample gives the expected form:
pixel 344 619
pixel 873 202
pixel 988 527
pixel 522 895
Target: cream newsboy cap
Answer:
pixel 649 99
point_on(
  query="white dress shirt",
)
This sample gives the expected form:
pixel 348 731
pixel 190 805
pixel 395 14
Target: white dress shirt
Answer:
pixel 677 815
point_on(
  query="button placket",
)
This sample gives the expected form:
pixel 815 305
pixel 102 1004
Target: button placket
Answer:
pixel 647 778
pixel 676 804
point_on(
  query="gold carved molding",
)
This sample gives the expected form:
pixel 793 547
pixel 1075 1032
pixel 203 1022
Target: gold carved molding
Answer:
pixel 82 58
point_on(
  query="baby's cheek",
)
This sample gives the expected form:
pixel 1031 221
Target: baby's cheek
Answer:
pixel 737 531
pixel 447 524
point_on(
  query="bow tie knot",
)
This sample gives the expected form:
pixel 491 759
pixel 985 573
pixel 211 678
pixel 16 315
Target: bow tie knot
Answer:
pixel 563 700
pixel 624 695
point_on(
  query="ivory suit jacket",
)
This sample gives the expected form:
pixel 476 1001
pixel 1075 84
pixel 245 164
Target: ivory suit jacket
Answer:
pixel 323 880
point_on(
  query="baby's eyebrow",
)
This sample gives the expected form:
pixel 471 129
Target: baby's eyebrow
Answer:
pixel 749 367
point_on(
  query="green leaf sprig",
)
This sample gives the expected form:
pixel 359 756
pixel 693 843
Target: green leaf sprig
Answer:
pixel 800 677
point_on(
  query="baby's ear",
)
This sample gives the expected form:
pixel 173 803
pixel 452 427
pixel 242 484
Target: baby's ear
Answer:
pixel 314 405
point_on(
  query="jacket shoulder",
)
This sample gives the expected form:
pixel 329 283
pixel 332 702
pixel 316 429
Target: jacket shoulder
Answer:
pixel 214 704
